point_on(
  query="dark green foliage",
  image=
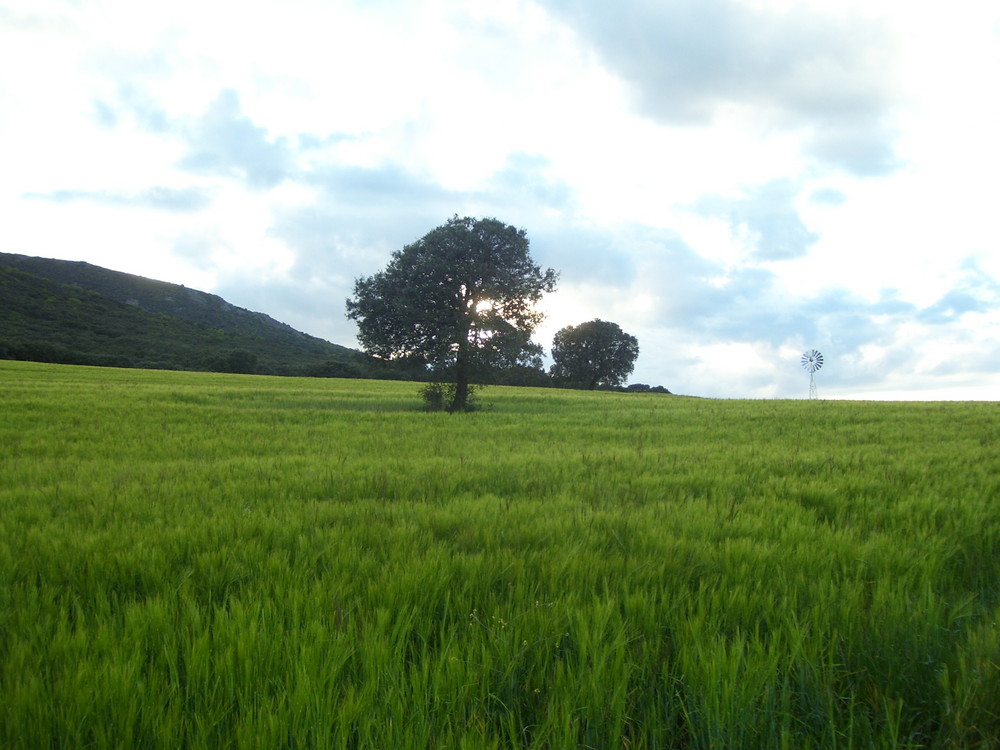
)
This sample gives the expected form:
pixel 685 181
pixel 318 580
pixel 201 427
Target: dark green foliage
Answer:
pixel 439 397
pixel 461 299
pixel 593 354
pixel 76 313
pixel 237 361
pixel 162 298
pixel 522 375
pixel 334 369
pixel 645 388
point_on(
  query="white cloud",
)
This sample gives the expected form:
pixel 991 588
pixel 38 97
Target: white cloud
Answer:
pixel 697 61
pixel 729 180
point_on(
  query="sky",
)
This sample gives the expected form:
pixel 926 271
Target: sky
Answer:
pixel 731 181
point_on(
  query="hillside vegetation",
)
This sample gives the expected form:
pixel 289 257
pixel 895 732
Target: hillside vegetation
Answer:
pixel 76 313
pixel 193 560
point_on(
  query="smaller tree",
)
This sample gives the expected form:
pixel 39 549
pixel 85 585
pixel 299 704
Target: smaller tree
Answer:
pixel 593 354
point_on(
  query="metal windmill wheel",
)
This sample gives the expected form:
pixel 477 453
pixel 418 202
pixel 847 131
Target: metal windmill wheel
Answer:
pixel 811 361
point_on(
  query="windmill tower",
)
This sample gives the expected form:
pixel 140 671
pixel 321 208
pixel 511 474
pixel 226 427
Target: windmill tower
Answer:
pixel 811 361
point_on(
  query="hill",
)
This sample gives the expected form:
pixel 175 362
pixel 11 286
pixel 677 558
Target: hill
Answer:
pixel 77 313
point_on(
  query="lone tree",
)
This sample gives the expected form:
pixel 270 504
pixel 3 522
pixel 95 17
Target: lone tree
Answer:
pixel 592 354
pixel 461 299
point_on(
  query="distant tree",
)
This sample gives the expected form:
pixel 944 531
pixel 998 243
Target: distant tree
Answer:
pixel 333 369
pixel 644 388
pixel 462 298
pixel 238 361
pixel 593 354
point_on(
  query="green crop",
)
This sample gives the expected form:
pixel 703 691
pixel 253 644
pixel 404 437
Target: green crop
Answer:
pixel 193 560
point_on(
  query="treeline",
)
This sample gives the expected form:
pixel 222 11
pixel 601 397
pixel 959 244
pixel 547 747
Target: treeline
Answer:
pixel 112 319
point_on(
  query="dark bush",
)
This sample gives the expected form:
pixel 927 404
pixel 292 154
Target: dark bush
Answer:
pixel 438 396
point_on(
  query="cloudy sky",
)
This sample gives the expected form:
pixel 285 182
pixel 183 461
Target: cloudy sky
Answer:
pixel 731 181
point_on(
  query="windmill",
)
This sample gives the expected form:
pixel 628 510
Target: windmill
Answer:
pixel 811 361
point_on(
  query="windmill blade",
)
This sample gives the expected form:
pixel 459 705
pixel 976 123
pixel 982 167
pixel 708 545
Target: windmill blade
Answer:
pixel 811 360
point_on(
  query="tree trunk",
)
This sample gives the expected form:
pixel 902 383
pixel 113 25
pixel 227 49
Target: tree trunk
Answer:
pixel 461 386
pixel 461 379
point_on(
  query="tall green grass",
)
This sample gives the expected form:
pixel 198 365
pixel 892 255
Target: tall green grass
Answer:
pixel 216 561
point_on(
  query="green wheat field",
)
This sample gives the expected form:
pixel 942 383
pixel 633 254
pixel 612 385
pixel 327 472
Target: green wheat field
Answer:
pixel 193 560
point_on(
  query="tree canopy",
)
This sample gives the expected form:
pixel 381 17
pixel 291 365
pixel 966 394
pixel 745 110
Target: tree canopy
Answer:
pixel 462 299
pixel 593 354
